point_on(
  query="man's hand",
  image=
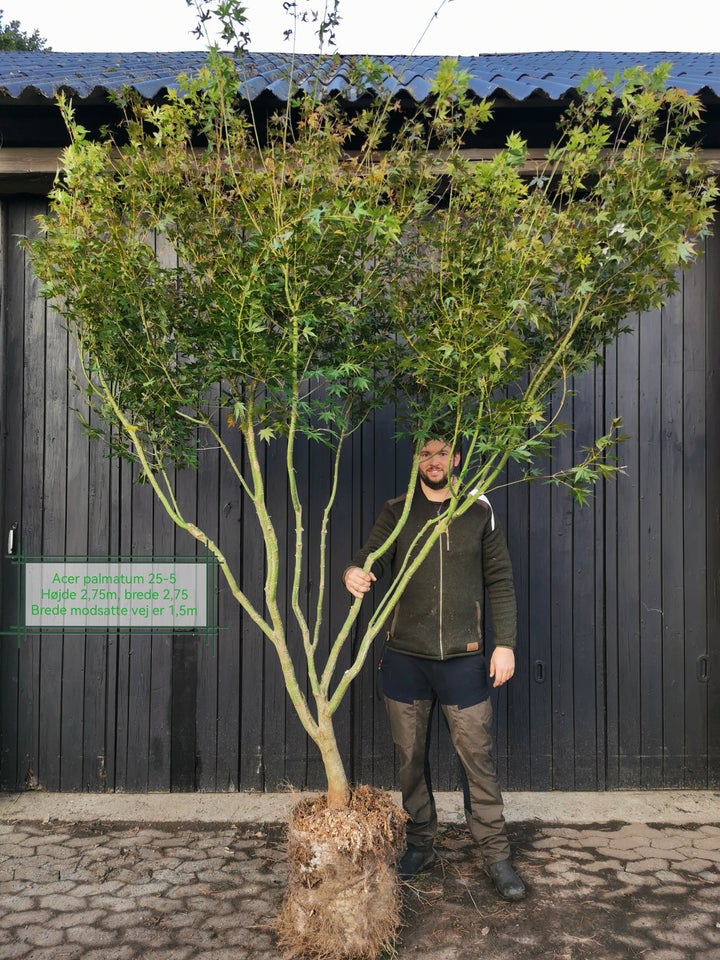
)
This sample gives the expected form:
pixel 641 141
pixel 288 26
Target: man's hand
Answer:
pixel 502 665
pixel 358 582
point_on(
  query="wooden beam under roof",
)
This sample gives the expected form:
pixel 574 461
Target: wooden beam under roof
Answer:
pixel 20 162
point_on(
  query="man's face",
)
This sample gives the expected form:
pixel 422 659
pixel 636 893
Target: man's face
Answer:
pixel 436 463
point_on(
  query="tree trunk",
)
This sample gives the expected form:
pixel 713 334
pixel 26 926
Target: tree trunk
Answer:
pixel 338 788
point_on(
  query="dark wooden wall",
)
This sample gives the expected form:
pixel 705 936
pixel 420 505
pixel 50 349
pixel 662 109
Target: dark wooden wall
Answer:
pixel 618 675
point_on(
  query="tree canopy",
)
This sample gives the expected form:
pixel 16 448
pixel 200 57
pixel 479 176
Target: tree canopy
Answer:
pixel 290 277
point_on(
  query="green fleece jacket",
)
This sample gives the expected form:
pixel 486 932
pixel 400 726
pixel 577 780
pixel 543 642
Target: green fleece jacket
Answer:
pixel 440 614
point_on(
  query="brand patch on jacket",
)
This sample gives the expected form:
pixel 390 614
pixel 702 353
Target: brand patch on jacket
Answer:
pixel 473 647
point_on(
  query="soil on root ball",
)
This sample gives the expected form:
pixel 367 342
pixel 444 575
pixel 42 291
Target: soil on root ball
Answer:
pixel 343 897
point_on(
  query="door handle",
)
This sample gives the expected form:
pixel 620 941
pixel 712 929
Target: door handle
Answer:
pixel 12 539
pixel 702 668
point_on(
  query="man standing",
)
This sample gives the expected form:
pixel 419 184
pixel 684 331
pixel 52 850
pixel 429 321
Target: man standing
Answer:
pixel 435 652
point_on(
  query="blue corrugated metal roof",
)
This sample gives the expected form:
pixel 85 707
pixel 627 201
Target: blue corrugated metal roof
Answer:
pixel 40 75
pixel 29 75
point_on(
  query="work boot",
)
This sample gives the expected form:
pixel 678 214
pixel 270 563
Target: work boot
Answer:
pixel 415 861
pixel 507 883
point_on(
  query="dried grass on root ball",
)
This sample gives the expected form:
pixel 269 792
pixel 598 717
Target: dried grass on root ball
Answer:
pixel 343 898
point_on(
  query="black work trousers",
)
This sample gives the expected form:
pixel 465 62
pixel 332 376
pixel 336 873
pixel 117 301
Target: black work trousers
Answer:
pixel 412 687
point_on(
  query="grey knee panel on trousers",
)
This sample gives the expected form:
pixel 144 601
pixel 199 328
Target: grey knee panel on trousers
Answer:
pixel 409 724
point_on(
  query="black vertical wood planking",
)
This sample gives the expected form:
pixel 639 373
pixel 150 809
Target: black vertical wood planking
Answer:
pixel 139 673
pixel 181 743
pixel 39 744
pixel 229 649
pixel 539 637
pixel 603 424
pixel 74 509
pixel 561 533
pixel 628 520
pixel 610 583
pixel 120 703
pixel 673 542
pixel 160 649
pixel 650 596
pixel 116 642
pixel 159 646
pixel 12 304
pixel 712 406
pixel 583 599
pixel 694 503
pixel 208 507
pixel 181 699
pixel 52 349
pixel 255 651
pixel 98 736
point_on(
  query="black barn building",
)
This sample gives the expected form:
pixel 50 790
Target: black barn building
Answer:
pixel 618 683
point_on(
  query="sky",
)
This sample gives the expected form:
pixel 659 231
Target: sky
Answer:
pixel 448 27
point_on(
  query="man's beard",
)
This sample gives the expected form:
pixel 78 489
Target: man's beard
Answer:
pixel 435 484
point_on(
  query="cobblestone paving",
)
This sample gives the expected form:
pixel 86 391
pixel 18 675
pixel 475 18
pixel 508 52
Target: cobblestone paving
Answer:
pixel 607 892
pixel 610 892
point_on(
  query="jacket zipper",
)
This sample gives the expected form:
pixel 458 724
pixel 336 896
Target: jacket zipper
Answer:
pixel 440 604
pixel 440 585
